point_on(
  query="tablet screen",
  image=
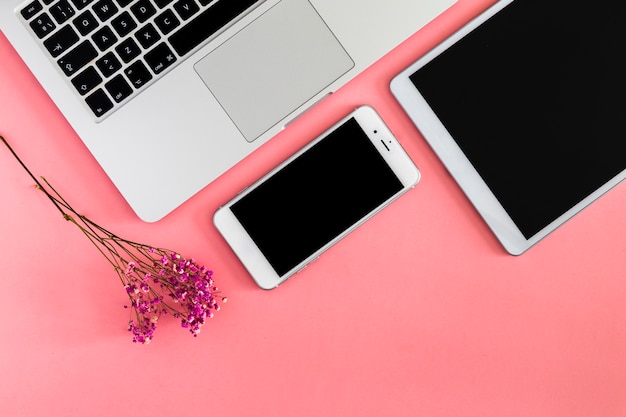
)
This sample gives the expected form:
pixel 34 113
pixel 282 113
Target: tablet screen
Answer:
pixel 536 99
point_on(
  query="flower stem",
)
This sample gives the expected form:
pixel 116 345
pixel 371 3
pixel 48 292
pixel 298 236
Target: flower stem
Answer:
pixel 152 277
pixel 31 175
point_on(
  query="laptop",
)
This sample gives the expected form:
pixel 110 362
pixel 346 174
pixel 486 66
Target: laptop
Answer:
pixel 169 94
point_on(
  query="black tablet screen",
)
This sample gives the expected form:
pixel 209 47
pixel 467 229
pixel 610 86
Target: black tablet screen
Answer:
pixel 536 99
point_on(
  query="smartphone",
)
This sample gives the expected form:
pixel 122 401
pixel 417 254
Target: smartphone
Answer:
pixel 286 219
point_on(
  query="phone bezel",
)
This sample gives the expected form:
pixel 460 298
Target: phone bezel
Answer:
pixel 245 248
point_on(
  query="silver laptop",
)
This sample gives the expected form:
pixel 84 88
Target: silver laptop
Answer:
pixel 169 94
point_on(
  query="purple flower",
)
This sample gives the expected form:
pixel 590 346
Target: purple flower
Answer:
pixel 186 285
pixel 157 281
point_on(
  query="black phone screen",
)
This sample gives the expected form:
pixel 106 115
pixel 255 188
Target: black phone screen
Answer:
pixel 316 197
pixel 535 98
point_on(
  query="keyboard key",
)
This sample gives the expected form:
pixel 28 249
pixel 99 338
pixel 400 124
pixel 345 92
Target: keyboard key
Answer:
pixel 81 4
pixel 61 41
pixel 167 21
pixel 186 8
pixel 108 64
pixel 147 36
pixel 123 24
pixel 42 26
pixel 138 74
pixel 77 58
pixel 85 22
pixel 204 25
pixel 86 81
pixel 128 50
pixel 105 9
pixel 118 88
pixel 99 102
pixel 104 38
pixel 143 10
pixel 124 3
pixel 159 58
pixel 62 11
pixel 31 10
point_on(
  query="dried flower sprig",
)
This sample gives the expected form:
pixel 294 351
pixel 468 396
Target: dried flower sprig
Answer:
pixel 158 281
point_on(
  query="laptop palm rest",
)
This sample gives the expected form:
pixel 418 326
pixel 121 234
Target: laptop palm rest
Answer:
pixel 273 66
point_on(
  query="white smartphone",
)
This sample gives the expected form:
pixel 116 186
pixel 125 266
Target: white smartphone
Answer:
pixel 290 216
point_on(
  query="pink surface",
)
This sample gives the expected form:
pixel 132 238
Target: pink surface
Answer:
pixel 420 312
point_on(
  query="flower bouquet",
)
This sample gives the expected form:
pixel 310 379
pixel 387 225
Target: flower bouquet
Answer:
pixel 157 281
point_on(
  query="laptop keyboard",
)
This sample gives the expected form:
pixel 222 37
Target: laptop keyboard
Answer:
pixel 110 50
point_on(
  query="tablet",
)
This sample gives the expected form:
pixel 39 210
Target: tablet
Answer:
pixel 525 106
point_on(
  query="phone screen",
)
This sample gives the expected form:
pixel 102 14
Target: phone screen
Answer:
pixel 534 97
pixel 316 197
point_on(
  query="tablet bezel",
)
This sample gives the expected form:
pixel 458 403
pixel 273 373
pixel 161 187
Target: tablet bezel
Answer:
pixel 459 165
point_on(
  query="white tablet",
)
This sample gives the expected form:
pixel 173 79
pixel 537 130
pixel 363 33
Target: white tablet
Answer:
pixel 526 108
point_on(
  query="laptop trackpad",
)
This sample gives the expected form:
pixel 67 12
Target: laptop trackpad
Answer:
pixel 273 66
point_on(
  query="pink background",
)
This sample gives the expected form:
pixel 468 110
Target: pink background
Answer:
pixel 420 312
